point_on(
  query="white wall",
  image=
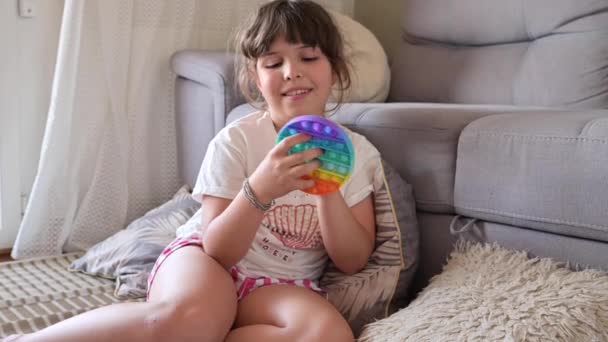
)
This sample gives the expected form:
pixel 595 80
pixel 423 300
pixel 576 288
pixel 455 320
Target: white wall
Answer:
pixel 28 49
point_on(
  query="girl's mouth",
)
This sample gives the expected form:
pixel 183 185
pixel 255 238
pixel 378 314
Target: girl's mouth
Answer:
pixel 297 93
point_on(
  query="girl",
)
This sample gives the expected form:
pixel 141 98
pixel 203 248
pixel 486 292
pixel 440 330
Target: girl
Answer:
pixel 250 271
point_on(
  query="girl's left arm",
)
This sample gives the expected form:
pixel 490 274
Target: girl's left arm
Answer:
pixel 348 233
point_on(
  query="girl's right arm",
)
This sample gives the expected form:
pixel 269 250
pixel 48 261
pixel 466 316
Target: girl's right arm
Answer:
pixel 230 226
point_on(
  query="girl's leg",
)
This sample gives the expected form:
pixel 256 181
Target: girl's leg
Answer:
pixel 192 298
pixel 288 313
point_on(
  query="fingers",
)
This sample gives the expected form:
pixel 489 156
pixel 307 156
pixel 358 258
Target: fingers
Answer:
pixel 297 165
pixel 303 184
pixel 304 169
pixel 302 157
pixel 287 143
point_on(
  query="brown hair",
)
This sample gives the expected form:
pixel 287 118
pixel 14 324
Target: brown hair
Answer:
pixel 298 21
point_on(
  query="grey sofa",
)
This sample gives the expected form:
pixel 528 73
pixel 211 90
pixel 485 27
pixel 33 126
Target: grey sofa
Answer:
pixel 497 115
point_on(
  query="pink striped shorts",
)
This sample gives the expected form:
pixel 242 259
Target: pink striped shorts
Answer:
pixel 244 285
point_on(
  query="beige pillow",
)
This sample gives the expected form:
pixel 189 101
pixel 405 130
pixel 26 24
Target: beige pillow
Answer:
pixel 383 285
pixel 370 72
pixel 489 293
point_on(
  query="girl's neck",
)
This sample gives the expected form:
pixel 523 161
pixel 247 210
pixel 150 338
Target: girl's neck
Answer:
pixel 276 122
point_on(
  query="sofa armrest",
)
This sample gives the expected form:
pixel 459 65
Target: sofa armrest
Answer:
pixel 205 92
pixel 213 71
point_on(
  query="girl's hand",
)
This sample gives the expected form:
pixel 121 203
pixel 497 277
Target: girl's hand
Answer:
pixel 280 173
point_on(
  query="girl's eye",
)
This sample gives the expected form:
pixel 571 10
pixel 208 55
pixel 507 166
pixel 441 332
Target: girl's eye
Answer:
pixel 310 59
pixel 272 65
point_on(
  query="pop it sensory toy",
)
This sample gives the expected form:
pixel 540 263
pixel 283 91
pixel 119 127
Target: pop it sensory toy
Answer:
pixel 338 155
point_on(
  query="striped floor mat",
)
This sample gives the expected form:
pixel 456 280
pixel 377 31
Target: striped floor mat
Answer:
pixel 35 293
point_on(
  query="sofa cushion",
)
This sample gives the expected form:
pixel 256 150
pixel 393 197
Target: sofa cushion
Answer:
pixel 383 285
pixel 517 169
pixel 489 293
pixel 529 53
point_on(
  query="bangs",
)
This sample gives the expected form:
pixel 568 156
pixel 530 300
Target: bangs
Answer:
pixel 305 25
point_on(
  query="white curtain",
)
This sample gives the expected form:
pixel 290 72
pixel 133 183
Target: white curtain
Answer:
pixel 109 151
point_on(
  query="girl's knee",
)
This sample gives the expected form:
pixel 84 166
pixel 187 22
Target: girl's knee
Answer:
pixel 194 321
pixel 329 328
pixel 193 298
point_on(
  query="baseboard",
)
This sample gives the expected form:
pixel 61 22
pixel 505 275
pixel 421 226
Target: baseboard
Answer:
pixel 5 254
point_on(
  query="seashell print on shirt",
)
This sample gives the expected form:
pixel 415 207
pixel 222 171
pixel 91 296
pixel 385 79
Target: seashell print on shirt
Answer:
pixel 296 226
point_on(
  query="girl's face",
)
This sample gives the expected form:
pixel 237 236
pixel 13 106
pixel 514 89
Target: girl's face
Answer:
pixel 294 79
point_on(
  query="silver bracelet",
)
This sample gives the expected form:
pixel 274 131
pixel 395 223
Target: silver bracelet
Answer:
pixel 254 200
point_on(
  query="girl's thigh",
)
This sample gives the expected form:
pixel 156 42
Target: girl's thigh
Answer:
pixel 193 282
pixel 307 315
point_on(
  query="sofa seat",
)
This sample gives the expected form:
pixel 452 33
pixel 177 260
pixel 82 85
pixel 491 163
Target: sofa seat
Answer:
pixel 519 170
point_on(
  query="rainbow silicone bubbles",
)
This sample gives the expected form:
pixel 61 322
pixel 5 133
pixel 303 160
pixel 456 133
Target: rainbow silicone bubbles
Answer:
pixel 338 155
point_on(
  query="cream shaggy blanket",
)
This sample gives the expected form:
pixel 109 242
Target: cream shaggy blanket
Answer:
pixel 488 293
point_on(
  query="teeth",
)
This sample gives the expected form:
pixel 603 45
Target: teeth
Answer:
pixel 297 92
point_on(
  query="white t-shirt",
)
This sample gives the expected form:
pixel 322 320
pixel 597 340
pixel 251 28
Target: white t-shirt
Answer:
pixel 288 243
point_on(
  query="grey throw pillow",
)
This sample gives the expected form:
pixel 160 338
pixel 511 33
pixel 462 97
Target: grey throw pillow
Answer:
pixel 382 286
pixel 129 255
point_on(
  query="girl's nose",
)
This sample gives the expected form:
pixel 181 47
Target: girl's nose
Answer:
pixel 292 72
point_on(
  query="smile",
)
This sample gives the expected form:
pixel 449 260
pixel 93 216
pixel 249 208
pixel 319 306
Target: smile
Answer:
pixel 296 92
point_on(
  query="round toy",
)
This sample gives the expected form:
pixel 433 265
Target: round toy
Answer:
pixel 338 155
